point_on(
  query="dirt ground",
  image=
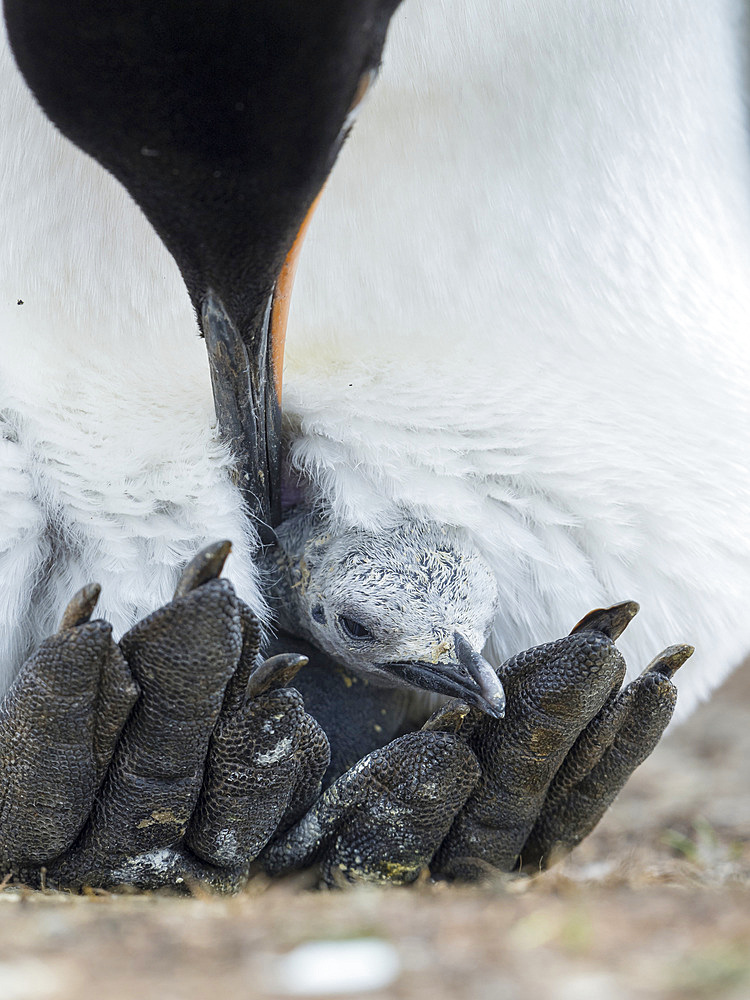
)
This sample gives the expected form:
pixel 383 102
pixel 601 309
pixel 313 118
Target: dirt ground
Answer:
pixel 655 904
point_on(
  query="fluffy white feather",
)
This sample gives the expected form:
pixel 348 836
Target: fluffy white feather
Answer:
pixel 110 469
pixel 523 311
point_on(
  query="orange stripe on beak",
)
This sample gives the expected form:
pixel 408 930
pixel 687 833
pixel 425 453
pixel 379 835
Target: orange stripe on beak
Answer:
pixel 282 298
pixel 282 295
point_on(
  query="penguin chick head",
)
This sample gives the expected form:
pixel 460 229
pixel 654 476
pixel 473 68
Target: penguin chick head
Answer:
pixel 409 607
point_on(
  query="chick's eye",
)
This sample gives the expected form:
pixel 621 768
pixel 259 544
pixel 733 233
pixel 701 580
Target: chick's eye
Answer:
pixel 354 629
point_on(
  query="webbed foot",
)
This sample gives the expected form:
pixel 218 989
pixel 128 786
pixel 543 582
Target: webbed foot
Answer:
pixel 167 758
pixel 383 819
pixel 567 745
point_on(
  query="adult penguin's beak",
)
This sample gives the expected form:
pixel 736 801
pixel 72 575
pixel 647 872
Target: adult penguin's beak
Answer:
pixel 247 385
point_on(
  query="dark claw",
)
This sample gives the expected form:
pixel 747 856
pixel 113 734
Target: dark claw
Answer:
pixel 250 780
pixel 204 566
pixel 612 622
pixel 448 719
pixel 58 727
pixel 207 767
pixel 182 657
pixel 670 660
pixel 219 755
pixel 277 672
pixel 553 692
pixel 81 607
pixel 607 752
pixel 265 762
pixel 357 717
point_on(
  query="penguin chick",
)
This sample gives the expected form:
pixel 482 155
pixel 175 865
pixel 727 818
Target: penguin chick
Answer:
pixel 409 607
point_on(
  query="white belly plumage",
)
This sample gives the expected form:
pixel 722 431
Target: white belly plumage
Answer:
pixel 523 310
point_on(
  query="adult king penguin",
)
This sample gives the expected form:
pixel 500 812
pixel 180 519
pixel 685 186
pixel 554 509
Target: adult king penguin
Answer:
pixel 521 321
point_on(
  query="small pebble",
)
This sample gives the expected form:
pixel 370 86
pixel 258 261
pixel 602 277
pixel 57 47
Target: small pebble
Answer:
pixel 329 967
pixel 28 979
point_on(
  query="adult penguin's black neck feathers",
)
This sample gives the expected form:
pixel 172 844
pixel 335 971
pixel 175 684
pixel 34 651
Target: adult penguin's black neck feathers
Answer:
pixel 222 119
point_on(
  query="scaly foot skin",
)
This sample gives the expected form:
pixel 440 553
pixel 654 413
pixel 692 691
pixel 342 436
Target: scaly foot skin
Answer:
pixel 171 758
pixel 470 795
pixel 607 752
pixel 385 817
pixel 568 743
pixel 59 725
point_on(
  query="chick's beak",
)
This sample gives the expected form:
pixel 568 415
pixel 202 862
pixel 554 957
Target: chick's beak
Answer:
pixel 470 677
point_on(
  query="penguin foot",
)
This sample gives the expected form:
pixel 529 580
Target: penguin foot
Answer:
pixel 383 820
pixel 169 758
pixel 568 743
pixel 607 752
